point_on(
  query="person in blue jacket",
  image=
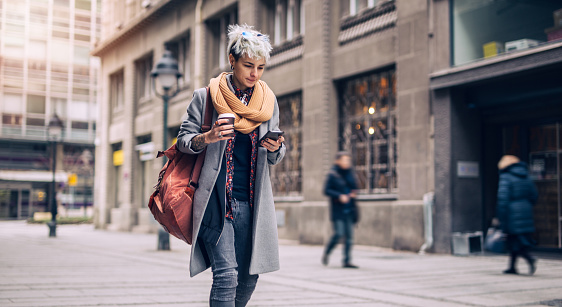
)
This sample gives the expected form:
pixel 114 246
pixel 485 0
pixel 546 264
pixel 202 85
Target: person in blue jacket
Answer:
pixel 340 187
pixel 516 196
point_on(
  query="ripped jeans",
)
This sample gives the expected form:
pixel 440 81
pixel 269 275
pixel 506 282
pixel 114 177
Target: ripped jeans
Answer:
pixel 230 260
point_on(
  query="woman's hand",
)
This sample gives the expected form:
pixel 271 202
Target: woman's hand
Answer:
pixel 272 145
pixel 218 132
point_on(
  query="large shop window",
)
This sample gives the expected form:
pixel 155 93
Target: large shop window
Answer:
pixel 368 130
pixel 487 28
pixel 286 177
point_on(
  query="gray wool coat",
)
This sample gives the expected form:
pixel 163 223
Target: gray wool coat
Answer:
pixel 265 250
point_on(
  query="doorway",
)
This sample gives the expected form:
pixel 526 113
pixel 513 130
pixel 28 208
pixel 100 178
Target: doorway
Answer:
pixel 540 145
pixel 15 202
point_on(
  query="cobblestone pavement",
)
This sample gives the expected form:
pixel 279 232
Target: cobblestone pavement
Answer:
pixel 87 267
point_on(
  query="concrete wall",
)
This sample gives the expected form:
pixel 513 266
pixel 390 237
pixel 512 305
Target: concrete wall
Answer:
pixel 389 224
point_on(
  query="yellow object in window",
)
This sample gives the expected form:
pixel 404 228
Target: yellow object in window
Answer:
pixel 118 157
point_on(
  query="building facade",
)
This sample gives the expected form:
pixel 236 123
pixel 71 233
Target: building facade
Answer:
pixel 495 90
pixel 348 75
pixel 46 69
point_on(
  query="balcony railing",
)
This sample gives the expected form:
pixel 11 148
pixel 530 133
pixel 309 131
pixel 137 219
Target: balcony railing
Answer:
pixel 40 134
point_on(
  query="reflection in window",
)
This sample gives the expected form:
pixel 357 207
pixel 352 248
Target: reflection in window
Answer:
pixel 485 28
pixel 143 85
pixel 368 129
pixel 217 45
pixel 286 177
pixel 116 90
pixel 284 19
pixel 180 51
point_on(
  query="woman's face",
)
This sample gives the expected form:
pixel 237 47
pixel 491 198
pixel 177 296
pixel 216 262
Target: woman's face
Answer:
pixel 247 71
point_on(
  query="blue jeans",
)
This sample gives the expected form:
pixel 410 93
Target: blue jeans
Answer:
pixel 343 227
pixel 230 260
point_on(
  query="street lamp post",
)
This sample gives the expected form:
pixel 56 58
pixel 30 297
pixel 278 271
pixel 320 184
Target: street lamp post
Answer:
pixel 54 132
pixel 167 73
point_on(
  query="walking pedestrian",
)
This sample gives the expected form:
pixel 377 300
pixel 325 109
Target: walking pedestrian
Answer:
pixel 234 220
pixel 516 196
pixel 341 188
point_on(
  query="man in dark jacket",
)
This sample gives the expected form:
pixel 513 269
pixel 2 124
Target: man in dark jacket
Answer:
pixel 516 196
pixel 340 187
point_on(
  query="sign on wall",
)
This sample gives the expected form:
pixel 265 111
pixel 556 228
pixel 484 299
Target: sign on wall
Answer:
pixel 468 169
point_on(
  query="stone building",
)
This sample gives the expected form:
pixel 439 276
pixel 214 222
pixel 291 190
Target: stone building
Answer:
pixel 495 90
pixel 46 69
pixel 348 75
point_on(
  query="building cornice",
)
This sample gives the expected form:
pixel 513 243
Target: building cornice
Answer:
pixel 133 26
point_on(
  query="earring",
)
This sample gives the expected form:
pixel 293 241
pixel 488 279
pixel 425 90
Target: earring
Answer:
pixel 231 67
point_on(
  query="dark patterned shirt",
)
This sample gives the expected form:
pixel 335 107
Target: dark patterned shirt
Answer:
pixel 245 97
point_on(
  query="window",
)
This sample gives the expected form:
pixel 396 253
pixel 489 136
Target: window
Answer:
pixel 12 109
pixel 143 85
pixel 83 4
pixel 116 91
pixel 79 110
pixel 36 104
pixel 81 55
pixel 286 176
pixel 37 49
pixel 368 129
pixel 284 19
pixel 217 46
pixel 58 106
pixel 13 46
pixel 145 182
pixel 180 49
pixel 60 51
pixel 485 28
pixel 353 7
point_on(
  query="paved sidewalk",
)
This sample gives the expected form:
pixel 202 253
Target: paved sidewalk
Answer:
pixel 87 267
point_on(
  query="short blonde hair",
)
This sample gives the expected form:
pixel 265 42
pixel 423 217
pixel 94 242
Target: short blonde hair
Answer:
pixel 507 161
pixel 244 40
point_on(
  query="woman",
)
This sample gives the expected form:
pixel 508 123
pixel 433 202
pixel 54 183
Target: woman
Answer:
pixel 233 212
pixel 516 196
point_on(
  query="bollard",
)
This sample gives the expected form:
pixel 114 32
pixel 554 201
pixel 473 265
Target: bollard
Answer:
pixel 163 240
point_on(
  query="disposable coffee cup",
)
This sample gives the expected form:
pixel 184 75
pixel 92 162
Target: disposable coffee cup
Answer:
pixel 230 118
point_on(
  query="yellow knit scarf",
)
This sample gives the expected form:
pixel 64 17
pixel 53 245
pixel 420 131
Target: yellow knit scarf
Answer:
pixel 248 118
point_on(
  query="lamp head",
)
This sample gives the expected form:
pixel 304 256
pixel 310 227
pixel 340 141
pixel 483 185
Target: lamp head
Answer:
pixel 55 127
pixel 166 71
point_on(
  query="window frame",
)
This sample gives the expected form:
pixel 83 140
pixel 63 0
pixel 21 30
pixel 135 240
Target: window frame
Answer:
pixel 371 173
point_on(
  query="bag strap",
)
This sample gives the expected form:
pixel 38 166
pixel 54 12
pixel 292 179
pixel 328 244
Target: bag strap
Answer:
pixel 196 170
pixel 208 112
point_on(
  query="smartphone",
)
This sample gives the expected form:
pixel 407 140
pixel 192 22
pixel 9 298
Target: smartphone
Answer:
pixel 272 134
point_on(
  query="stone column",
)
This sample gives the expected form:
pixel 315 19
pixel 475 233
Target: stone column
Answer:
pixel 442 221
pixel 128 212
pixel 103 154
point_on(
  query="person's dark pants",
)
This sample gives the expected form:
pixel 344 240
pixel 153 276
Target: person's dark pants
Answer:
pixel 230 260
pixel 519 245
pixel 343 227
